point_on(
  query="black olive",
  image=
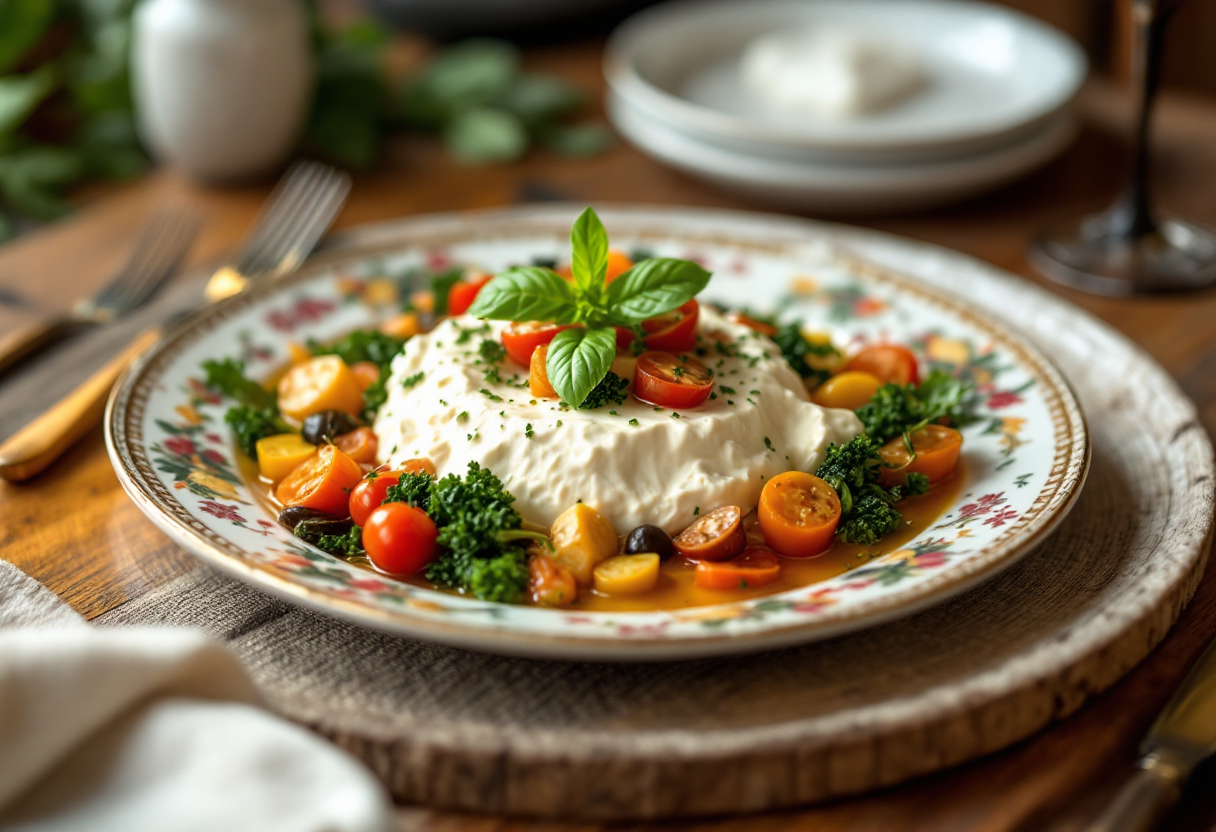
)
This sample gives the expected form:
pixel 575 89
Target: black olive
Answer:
pixel 545 262
pixel 651 539
pixel 310 529
pixel 291 516
pixel 320 428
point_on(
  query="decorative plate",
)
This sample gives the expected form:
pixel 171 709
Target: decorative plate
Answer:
pixel 1025 461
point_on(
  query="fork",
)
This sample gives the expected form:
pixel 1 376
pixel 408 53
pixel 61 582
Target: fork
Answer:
pixel 296 216
pixel 162 244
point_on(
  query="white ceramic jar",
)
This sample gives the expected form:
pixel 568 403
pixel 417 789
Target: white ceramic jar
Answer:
pixel 222 87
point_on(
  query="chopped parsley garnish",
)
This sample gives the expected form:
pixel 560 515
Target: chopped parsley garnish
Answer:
pixel 868 511
pixel 633 422
pixel 257 414
pixel 466 335
pixel 411 380
pixel 491 395
pixel 491 351
pixel 768 443
pixel 897 410
pixel 528 430
pixel 730 391
pixel 612 388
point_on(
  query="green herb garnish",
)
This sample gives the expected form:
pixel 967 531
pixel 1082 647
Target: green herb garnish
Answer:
pixel 257 414
pixel 897 410
pixel 868 511
pixel 580 357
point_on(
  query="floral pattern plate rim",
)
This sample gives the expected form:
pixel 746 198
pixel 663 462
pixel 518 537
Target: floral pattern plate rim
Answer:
pixel 1026 460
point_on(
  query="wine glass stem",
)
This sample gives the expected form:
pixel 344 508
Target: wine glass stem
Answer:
pixel 1135 216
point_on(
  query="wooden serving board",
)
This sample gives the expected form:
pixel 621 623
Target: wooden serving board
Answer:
pixel 484 733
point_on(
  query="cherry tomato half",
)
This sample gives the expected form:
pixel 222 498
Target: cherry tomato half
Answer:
pixel 718 535
pixel 400 539
pixel 322 482
pixel 937 450
pixel 889 362
pixel 360 445
pixel 521 339
pixel 462 295
pixel 676 331
pixel 755 567
pixel 848 390
pixel 538 374
pixel 798 514
pixel 670 380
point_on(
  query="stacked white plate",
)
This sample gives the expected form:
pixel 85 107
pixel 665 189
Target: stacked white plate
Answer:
pixel 996 101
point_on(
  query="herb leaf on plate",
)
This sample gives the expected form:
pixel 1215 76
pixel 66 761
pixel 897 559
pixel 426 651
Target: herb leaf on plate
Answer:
pixel 896 409
pixel 589 249
pixel 526 293
pixel 654 287
pixel 578 360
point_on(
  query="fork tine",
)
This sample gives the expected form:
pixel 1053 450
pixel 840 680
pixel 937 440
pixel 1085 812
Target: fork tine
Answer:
pixel 313 203
pixel 278 212
pixel 164 256
pixel 311 220
pixel 160 246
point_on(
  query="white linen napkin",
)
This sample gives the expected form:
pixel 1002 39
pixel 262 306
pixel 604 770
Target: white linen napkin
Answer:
pixel 156 729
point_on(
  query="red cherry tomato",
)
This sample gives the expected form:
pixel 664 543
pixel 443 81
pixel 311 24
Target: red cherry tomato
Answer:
pixel 674 332
pixel 462 295
pixel 522 339
pixel 400 539
pixel 369 494
pixel 889 362
pixel 671 381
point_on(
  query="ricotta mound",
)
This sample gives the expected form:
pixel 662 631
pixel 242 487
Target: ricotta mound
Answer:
pixel 634 462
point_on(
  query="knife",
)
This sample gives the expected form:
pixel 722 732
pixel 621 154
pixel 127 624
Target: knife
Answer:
pixel 1183 736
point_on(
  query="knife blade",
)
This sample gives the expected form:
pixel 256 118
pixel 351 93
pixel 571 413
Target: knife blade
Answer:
pixel 1183 736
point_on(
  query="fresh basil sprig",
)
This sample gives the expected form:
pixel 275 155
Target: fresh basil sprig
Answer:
pixel 579 358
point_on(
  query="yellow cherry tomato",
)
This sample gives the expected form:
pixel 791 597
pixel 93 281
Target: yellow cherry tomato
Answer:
pixel 847 391
pixel 279 455
pixel 319 384
pixel 627 574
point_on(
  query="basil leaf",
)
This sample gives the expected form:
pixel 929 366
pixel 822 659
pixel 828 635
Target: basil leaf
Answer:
pixel 589 249
pixel 483 134
pixel 526 293
pixel 654 287
pixel 578 359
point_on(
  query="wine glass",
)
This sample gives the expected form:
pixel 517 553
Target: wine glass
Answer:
pixel 1127 249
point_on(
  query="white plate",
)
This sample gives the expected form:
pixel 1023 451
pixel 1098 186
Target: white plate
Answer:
pixel 993 73
pixel 843 188
pixel 1025 461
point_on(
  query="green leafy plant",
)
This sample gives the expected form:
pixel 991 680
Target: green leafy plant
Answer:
pixel 868 511
pixel 896 410
pixel 256 414
pixel 366 345
pixel 579 358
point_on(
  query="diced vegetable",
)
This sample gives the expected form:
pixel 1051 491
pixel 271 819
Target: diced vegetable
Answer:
pixel 280 454
pixel 366 373
pixel 521 339
pixel 674 332
pixel 323 383
pixel 403 326
pixel 360 445
pixel 798 514
pixel 891 363
pixel 649 538
pixel 551 583
pixel 935 453
pixel 583 539
pixel 400 539
pixel 755 567
pixel 718 535
pixel 671 381
pixel 538 376
pixel 462 294
pixel 627 574
pixel 849 390
pixel 323 482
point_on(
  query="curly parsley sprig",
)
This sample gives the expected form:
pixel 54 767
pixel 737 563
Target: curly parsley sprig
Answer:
pixel 579 358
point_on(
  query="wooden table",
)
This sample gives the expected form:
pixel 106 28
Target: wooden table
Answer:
pixel 99 551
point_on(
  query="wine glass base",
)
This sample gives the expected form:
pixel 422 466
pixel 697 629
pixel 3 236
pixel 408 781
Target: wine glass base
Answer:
pixel 1090 255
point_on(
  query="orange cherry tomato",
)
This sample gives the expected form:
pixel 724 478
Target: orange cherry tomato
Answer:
pixel 937 450
pixel 891 363
pixel 366 373
pixel 848 390
pixel 552 584
pixel 798 514
pixel 319 384
pixel 370 493
pixel 618 264
pixel 521 339
pixel 418 466
pixel 322 482
pixel 400 539
pixel 462 295
pixel 755 567
pixel 718 535
pixel 360 445
pixel 671 381
pixel 752 324
pixel 674 332
pixel 538 374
